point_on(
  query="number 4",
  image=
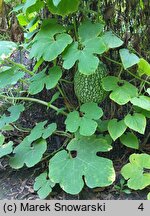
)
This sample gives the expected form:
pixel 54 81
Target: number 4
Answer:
pixel 141 207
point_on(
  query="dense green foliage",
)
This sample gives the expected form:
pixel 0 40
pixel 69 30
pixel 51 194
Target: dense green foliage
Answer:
pixel 70 39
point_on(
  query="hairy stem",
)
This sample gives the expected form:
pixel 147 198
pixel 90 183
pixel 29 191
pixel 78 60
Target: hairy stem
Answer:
pixel 36 101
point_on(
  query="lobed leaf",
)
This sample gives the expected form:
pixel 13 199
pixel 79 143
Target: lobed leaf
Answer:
pixel 83 52
pixel 86 124
pixel 14 115
pixel 27 154
pixel 68 171
pixel 91 110
pixel 32 148
pixel 43 79
pixel 134 171
pixel 122 91
pixel 50 41
pixel 43 185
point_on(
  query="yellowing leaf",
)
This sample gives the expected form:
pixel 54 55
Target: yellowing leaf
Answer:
pixel 143 67
pixel 134 171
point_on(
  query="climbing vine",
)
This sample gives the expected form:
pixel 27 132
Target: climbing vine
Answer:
pixel 74 37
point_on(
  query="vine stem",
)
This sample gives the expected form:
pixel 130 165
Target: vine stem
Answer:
pixel 75 28
pixel 22 67
pixel 127 70
pixel 36 101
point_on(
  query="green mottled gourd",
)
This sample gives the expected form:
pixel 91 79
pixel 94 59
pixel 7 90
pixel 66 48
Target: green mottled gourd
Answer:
pixel 89 88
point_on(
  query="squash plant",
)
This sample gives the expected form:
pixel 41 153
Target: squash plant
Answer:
pixel 79 48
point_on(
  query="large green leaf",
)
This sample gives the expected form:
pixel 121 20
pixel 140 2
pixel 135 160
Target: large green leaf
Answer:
pixel 69 171
pixel 128 59
pixel 49 80
pixel 63 7
pixel 134 172
pixel 14 115
pixel 43 185
pixel 86 124
pixel 122 91
pixel 84 51
pixel 116 128
pixel 10 76
pixel 50 42
pixel 130 140
pixel 136 122
pixel 142 102
pixel 148 196
pixel 6 49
